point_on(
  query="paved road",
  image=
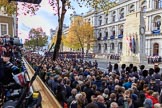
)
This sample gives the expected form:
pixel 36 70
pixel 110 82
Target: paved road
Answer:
pixel 102 63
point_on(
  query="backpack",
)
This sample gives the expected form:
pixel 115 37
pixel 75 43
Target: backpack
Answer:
pixel 148 103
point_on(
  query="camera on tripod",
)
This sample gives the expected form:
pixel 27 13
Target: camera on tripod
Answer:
pixel 11 41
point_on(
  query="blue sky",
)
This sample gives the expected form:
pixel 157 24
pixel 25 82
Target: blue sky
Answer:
pixel 44 18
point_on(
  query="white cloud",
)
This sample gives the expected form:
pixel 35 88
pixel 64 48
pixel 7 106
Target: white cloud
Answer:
pixel 44 18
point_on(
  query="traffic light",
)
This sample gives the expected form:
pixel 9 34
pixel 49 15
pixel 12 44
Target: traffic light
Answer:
pixel 27 1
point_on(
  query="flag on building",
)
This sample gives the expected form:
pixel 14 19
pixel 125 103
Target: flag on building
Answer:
pixel 133 45
pixel 127 41
pixel 130 44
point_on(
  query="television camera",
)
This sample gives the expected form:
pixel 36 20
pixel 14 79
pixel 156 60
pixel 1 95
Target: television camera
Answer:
pixel 7 40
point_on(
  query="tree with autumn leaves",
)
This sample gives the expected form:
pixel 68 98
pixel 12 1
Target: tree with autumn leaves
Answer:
pixel 60 8
pixel 80 35
pixel 37 38
pixel 13 8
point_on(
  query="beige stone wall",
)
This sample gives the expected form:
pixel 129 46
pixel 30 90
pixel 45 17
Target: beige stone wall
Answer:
pixel 132 24
pixel 131 29
pixel 9 21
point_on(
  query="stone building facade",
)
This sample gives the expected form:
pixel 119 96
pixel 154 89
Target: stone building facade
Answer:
pixel 8 24
pixel 109 28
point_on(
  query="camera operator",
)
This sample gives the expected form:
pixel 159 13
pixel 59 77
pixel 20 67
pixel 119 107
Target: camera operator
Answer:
pixel 6 65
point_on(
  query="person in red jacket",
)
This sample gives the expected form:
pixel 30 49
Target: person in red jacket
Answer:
pixel 155 98
pixel 148 94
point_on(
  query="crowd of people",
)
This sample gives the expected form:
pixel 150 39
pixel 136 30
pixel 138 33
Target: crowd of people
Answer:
pixel 80 84
pixel 113 57
pixel 154 59
pixel 76 55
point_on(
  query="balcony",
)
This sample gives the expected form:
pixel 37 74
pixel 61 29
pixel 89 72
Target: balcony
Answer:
pixel 156 32
pixel 99 38
pixel 105 38
pixel 112 37
pixel 120 36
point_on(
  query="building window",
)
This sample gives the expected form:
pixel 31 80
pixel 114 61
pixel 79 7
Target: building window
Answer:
pixel 89 21
pixel 120 46
pixel 106 33
pixel 106 36
pixel 112 46
pixel 157 22
pixel 100 36
pixel 3 28
pixel 114 16
pixel 105 46
pixel 113 31
pixel 100 20
pixel 121 30
pixel 143 6
pixel 106 19
pixel 132 9
pixel 158 4
pixel 122 13
pixel 99 47
pixel 155 49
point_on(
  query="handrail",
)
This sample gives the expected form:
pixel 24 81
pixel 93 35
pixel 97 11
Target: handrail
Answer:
pixel 48 99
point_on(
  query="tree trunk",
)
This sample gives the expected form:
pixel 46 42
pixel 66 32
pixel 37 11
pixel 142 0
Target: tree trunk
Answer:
pixel 88 47
pixel 58 43
pixel 82 52
pixel 59 32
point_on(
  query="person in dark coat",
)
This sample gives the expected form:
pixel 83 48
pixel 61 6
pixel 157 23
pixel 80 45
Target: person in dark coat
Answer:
pixel 91 105
pixel 100 101
pixel 135 73
pixel 98 83
pixel 68 89
pixel 142 67
pixel 123 66
pixel 61 95
pixel 116 69
pixel 109 67
pixel 111 99
pixel 87 89
pixel 150 76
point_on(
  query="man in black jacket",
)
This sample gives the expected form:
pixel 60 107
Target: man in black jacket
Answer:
pixel 100 101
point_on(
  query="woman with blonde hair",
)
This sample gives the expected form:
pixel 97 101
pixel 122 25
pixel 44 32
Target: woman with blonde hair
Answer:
pixel 155 98
pixel 157 105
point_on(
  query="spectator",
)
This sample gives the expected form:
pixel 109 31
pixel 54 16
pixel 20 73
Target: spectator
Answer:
pixel 128 86
pixel 78 102
pixel 100 101
pixel 72 97
pixel 114 105
pixel 92 105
